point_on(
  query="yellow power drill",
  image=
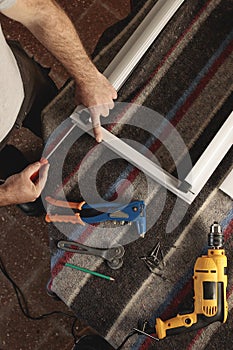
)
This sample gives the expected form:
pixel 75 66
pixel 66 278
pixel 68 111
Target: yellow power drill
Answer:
pixel 210 300
pixel 210 284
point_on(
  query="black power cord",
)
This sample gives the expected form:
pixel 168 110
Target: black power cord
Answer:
pixel 126 339
pixel 24 307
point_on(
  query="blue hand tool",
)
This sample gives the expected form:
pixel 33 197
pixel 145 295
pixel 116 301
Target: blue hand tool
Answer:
pixel 135 211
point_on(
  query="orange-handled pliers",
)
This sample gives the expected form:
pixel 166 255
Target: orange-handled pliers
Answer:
pixel 74 219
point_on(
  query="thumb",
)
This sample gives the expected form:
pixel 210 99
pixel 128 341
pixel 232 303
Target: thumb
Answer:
pixel 40 183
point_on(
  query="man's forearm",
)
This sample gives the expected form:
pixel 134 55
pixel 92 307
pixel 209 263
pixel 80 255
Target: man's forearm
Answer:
pixel 3 196
pixel 7 197
pixel 52 27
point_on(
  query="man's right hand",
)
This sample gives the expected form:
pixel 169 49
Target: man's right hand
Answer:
pixel 97 94
pixel 20 188
pixel 60 37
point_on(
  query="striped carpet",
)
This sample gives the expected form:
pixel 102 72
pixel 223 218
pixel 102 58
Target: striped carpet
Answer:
pixel 186 76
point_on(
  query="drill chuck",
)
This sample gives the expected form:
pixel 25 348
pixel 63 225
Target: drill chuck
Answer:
pixel 215 237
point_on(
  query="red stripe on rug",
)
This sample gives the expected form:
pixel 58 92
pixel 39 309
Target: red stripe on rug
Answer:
pixel 188 29
pixel 229 230
pixel 180 113
pixel 166 57
pixel 187 104
pixel 202 84
pixel 133 174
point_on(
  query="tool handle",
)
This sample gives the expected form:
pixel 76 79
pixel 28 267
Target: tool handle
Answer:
pixel 64 204
pixel 73 219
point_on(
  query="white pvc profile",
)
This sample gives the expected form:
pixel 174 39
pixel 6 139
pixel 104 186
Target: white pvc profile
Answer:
pixel 118 71
pixel 198 175
pixel 227 185
pixel 127 58
pixel 211 157
pixel 180 188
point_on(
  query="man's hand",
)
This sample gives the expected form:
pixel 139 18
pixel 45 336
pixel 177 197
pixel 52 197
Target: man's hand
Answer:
pixel 19 188
pixel 52 27
pixel 97 94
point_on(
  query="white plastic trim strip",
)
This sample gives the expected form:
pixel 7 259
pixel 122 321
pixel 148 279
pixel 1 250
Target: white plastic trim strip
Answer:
pixel 227 185
pixel 136 158
pixel 118 71
pixel 212 156
pixel 127 58
pixel 197 177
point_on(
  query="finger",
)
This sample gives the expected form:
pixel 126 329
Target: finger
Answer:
pixel 114 93
pixel 104 111
pixel 111 105
pixel 105 108
pixel 95 117
pixel 40 184
pixel 35 168
pixel 34 177
pixel 44 160
pixel 98 133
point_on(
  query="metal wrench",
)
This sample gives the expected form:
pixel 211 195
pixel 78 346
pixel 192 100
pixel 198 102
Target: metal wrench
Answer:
pixel 113 256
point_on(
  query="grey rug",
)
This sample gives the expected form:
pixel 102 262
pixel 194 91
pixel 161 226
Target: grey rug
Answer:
pixel 185 77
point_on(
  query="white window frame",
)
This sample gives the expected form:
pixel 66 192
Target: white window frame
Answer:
pixel 118 72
